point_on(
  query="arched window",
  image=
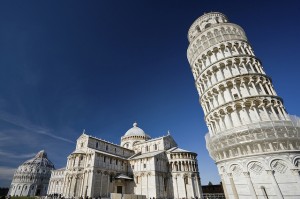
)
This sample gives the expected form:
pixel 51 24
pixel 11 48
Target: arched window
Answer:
pixel 97 144
pixel 155 146
pixel 207 25
pixel 147 148
pixel 106 147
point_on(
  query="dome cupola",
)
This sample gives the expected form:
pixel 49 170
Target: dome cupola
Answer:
pixel 133 135
pixel 135 131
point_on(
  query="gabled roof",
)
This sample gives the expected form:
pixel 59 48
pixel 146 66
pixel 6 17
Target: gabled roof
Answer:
pixel 145 155
pixel 178 150
pixel 79 151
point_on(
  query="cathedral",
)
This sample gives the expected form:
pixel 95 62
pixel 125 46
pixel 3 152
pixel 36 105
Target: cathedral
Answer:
pixel 140 167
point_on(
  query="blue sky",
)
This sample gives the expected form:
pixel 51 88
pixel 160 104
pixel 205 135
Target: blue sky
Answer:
pixel 101 65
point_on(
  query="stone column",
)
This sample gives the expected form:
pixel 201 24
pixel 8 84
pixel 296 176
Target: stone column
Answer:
pixel 65 184
pixel 197 186
pixel 86 183
pixel 193 186
pixel 280 112
pixel 75 185
pixel 256 112
pixel 108 183
pixel 82 185
pixel 50 187
pixel 275 184
pixel 70 186
pixel 101 179
pixel 296 173
pixel 251 66
pixel 269 90
pixel 147 185
pixel 250 185
pixel 141 178
pixel 157 180
pixel 246 113
pixel 177 187
pixel 224 186
pixel 266 112
pixel 254 88
pixel 235 195
pixel 236 118
pixel 275 115
pixel 245 87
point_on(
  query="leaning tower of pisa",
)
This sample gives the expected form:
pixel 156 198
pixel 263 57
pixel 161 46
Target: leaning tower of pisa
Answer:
pixel 252 139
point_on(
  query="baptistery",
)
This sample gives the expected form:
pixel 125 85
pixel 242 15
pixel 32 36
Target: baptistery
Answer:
pixel 32 177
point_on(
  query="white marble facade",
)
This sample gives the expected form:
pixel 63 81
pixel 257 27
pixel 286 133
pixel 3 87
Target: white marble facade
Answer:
pixel 155 168
pixel 252 139
pixel 32 177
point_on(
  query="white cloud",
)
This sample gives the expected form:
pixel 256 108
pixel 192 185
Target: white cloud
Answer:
pixel 4 154
pixel 6 173
pixel 27 125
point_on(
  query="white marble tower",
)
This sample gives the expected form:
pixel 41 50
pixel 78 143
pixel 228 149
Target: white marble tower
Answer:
pixel 252 139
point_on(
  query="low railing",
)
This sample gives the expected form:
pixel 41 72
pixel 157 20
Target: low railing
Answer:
pixel 213 196
pixel 294 122
pixel 280 132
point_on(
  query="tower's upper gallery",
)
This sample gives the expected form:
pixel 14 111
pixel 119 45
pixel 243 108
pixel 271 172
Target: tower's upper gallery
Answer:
pixel 208 31
pixel 205 21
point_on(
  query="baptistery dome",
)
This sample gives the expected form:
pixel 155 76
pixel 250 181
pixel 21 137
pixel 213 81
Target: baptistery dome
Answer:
pixel 32 177
pixel 39 161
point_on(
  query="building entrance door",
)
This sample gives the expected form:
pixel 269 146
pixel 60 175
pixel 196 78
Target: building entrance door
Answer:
pixel 119 189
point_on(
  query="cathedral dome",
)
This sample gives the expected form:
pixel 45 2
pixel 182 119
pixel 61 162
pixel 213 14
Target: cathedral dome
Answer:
pixel 133 136
pixel 135 131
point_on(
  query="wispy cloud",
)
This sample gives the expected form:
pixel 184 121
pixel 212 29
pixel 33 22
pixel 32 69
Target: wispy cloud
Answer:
pixel 5 138
pixel 4 154
pixel 27 125
pixel 6 174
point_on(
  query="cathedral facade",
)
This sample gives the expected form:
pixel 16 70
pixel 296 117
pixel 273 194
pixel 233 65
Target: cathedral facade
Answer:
pixel 151 168
pixel 254 142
